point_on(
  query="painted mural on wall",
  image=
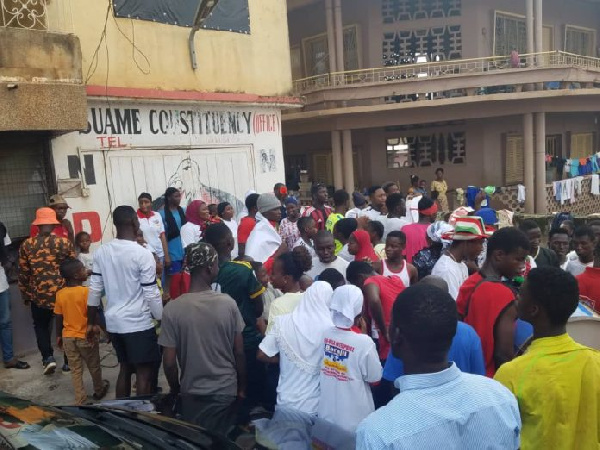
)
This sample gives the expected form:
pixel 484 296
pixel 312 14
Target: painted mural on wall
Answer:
pixel 213 153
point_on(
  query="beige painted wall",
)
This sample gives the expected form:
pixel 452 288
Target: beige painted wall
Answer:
pixel 258 63
pixel 477 21
pixel 485 153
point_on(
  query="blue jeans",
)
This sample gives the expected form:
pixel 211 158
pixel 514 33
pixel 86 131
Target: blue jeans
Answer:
pixel 6 327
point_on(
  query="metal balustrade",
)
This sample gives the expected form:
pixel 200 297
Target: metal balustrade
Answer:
pixel 436 70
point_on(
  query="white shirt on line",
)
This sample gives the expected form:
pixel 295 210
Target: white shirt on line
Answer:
pixel 127 272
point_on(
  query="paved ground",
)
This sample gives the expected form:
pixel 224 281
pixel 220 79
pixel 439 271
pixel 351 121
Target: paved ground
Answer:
pixel 57 389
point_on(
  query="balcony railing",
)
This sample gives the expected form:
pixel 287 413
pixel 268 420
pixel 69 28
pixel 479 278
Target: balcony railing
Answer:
pixel 28 14
pixel 412 72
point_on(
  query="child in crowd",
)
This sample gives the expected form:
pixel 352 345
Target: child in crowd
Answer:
pixel 83 241
pixel 394 264
pixel 308 230
pixel 268 296
pixel 350 363
pixel 359 246
pixel 376 230
pixel 341 232
pixel 227 214
pixel 214 213
pixel 71 329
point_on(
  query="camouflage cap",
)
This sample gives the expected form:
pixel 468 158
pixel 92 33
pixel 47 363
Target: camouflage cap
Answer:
pixel 200 255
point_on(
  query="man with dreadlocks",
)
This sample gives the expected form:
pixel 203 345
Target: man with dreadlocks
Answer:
pixel 202 331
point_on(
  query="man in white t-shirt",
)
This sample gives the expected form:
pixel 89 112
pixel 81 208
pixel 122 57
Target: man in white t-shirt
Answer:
pixel 396 206
pixel 6 339
pixel 377 210
pixel 584 241
pixel 467 244
pixel 326 259
pixel 350 363
pixel 126 271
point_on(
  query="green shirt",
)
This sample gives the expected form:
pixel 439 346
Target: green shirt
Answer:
pixel 237 279
pixel 331 221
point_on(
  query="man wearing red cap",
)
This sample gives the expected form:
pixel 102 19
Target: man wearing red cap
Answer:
pixel 40 258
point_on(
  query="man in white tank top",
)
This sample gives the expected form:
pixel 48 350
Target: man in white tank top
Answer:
pixel 395 264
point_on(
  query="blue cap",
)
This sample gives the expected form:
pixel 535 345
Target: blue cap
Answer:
pixel 489 216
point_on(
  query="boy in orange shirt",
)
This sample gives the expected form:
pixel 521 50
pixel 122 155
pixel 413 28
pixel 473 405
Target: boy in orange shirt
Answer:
pixel 71 326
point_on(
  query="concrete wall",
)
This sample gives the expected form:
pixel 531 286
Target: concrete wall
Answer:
pixel 257 63
pixel 484 156
pixel 477 22
pixel 41 85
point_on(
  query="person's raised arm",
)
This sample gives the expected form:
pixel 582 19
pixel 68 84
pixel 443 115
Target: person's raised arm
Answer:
pixel 372 292
pixel 240 365
pixel 504 350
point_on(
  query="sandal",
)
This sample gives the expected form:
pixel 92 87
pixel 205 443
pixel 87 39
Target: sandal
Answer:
pixel 16 365
pixel 103 392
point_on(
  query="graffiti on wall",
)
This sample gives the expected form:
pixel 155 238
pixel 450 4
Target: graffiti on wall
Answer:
pixel 268 161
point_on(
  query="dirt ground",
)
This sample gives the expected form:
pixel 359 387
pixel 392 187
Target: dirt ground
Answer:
pixel 57 389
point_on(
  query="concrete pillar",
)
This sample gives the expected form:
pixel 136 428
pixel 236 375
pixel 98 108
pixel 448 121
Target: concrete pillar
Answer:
pixel 539 29
pixel 528 163
pixel 348 161
pixel 339 36
pixel 540 164
pixel 331 35
pixel 336 154
pixel 529 17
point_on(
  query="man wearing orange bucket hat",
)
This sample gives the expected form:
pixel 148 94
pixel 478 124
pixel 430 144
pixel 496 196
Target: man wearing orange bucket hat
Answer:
pixel 39 279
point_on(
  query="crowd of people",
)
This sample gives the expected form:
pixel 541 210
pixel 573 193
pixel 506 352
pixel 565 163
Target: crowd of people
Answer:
pixel 410 327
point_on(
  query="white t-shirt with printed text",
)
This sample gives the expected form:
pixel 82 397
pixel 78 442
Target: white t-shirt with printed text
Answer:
pixel 318 267
pixel 350 363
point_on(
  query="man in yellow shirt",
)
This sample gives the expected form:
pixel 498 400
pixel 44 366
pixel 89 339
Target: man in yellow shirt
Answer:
pixel 557 381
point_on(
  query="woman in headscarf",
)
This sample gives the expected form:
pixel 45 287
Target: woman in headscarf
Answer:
pixel 173 217
pixel 350 363
pixel 197 216
pixel 296 342
pixel 425 259
pixel 360 246
pixel 226 213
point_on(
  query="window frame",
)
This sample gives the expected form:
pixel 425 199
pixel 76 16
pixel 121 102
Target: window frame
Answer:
pixel 569 27
pixel 307 40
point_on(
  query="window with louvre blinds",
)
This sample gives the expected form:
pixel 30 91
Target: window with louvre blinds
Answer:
pixel 582 145
pixel 579 40
pixel 513 160
pixel 316 52
pixel 322 169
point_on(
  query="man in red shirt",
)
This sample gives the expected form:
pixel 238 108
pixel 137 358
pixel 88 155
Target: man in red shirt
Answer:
pixel 319 210
pixel 64 228
pixel 380 293
pixel 589 281
pixel 247 223
pixel 416 233
pixel 486 300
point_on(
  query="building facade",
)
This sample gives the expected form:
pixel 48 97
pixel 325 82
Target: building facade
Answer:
pixel 496 92
pixel 117 98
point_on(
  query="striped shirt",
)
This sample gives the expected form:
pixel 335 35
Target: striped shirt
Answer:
pixel 449 410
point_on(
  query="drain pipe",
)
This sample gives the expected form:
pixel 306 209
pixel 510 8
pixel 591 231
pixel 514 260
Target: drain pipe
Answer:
pixel 205 7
